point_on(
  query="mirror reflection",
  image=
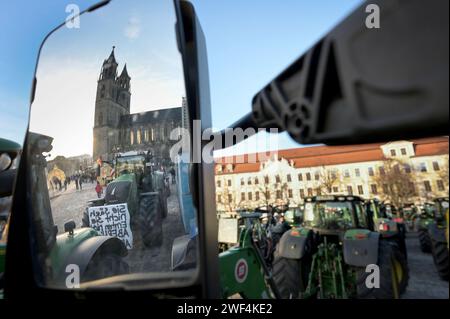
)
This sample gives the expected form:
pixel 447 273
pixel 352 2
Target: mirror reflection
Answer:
pixel 107 188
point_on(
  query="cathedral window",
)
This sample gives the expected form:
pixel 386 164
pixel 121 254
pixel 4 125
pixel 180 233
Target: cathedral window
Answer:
pixel 102 91
pixel 131 137
pixel 138 136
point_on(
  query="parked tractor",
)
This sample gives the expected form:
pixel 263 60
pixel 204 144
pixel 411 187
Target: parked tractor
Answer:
pixel 425 218
pixel 434 232
pixel 144 189
pixel 9 151
pixel 388 226
pixel 330 254
pixel 97 256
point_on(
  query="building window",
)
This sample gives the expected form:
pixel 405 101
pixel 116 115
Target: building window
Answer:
pixel 229 182
pixel 218 183
pixel 335 189
pixel 346 173
pixel 300 177
pixel 131 137
pixel 249 181
pixel 440 185
pixel 333 174
pixel 242 182
pixel 374 189
pixel 278 194
pixel 393 153
pixel 219 198
pixel 267 195
pixel 370 171
pixel 256 195
pixel 385 188
pixel 266 179
pixel 242 196
pixel 256 181
pixel 230 198
pixel 436 166
pixel 403 151
pixel 397 169
pixel 427 186
pixel 350 190
pixel 316 176
pixel 423 167
pixel 290 193
pixel 278 179
pixel 382 171
pixel 407 168
pixel 357 172
pixel 302 193
pixel 249 196
pixel 289 178
pixel 310 192
pixel 360 190
pixel 308 176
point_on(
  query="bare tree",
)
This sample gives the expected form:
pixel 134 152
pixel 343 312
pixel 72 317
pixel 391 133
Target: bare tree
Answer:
pixel 327 179
pixel 229 201
pixel 397 182
pixel 270 192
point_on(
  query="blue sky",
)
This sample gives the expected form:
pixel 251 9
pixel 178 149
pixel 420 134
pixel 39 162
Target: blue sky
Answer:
pixel 248 41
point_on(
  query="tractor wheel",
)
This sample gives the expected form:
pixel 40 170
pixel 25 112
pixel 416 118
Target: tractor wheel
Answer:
pixel 425 241
pixel 290 276
pixel 163 200
pixel 394 274
pixel 440 256
pixel 104 265
pixel 150 221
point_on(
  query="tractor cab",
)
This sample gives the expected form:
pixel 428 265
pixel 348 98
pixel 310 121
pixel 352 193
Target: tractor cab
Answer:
pixel 332 214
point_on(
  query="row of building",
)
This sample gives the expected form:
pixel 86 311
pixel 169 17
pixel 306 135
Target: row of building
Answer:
pixel 400 172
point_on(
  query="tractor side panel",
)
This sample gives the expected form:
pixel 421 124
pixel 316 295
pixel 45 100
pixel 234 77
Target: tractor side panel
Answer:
pixel 361 248
pixel 292 244
pixel 436 233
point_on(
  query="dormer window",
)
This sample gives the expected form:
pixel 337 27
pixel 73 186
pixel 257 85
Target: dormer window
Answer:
pixel 393 153
pixel 403 151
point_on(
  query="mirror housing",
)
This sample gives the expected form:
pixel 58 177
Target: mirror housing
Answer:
pixel 361 85
pixel 69 226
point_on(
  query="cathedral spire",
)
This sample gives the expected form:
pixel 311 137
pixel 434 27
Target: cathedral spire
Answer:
pixel 109 68
pixel 124 73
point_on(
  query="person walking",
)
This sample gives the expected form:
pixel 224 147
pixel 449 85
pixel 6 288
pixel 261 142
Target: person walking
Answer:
pixel 80 182
pixel 99 189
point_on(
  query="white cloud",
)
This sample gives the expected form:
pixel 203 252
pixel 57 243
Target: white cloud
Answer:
pixel 133 28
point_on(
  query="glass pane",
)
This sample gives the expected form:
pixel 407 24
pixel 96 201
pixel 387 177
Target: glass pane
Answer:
pixel 110 100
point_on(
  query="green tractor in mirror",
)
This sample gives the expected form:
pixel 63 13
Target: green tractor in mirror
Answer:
pixel 9 152
pixel 144 189
pixel 95 255
pixel 333 253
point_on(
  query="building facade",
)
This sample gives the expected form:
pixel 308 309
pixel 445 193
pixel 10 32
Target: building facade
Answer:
pixel 400 172
pixel 118 130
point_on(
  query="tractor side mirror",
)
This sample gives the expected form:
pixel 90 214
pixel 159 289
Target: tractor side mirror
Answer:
pixel 363 85
pixel 126 80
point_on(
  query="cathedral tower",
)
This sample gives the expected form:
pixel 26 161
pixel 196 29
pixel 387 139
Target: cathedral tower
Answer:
pixel 112 101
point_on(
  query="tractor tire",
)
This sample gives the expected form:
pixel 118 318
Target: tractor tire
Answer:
pixel 104 265
pixel 290 276
pixel 425 240
pixel 150 221
pixel 440 256
pixel 394 274
pixel 163 200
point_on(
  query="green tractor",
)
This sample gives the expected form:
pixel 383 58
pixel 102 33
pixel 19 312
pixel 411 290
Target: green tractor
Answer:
pixel 331 254
pixel 423 221
pixel 433 234
pixel 143 188
pixel 9 151
pixel 96 256
pixel 389 227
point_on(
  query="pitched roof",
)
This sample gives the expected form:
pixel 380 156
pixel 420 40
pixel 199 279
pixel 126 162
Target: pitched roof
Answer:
pixel 332 155
pixel 157 116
